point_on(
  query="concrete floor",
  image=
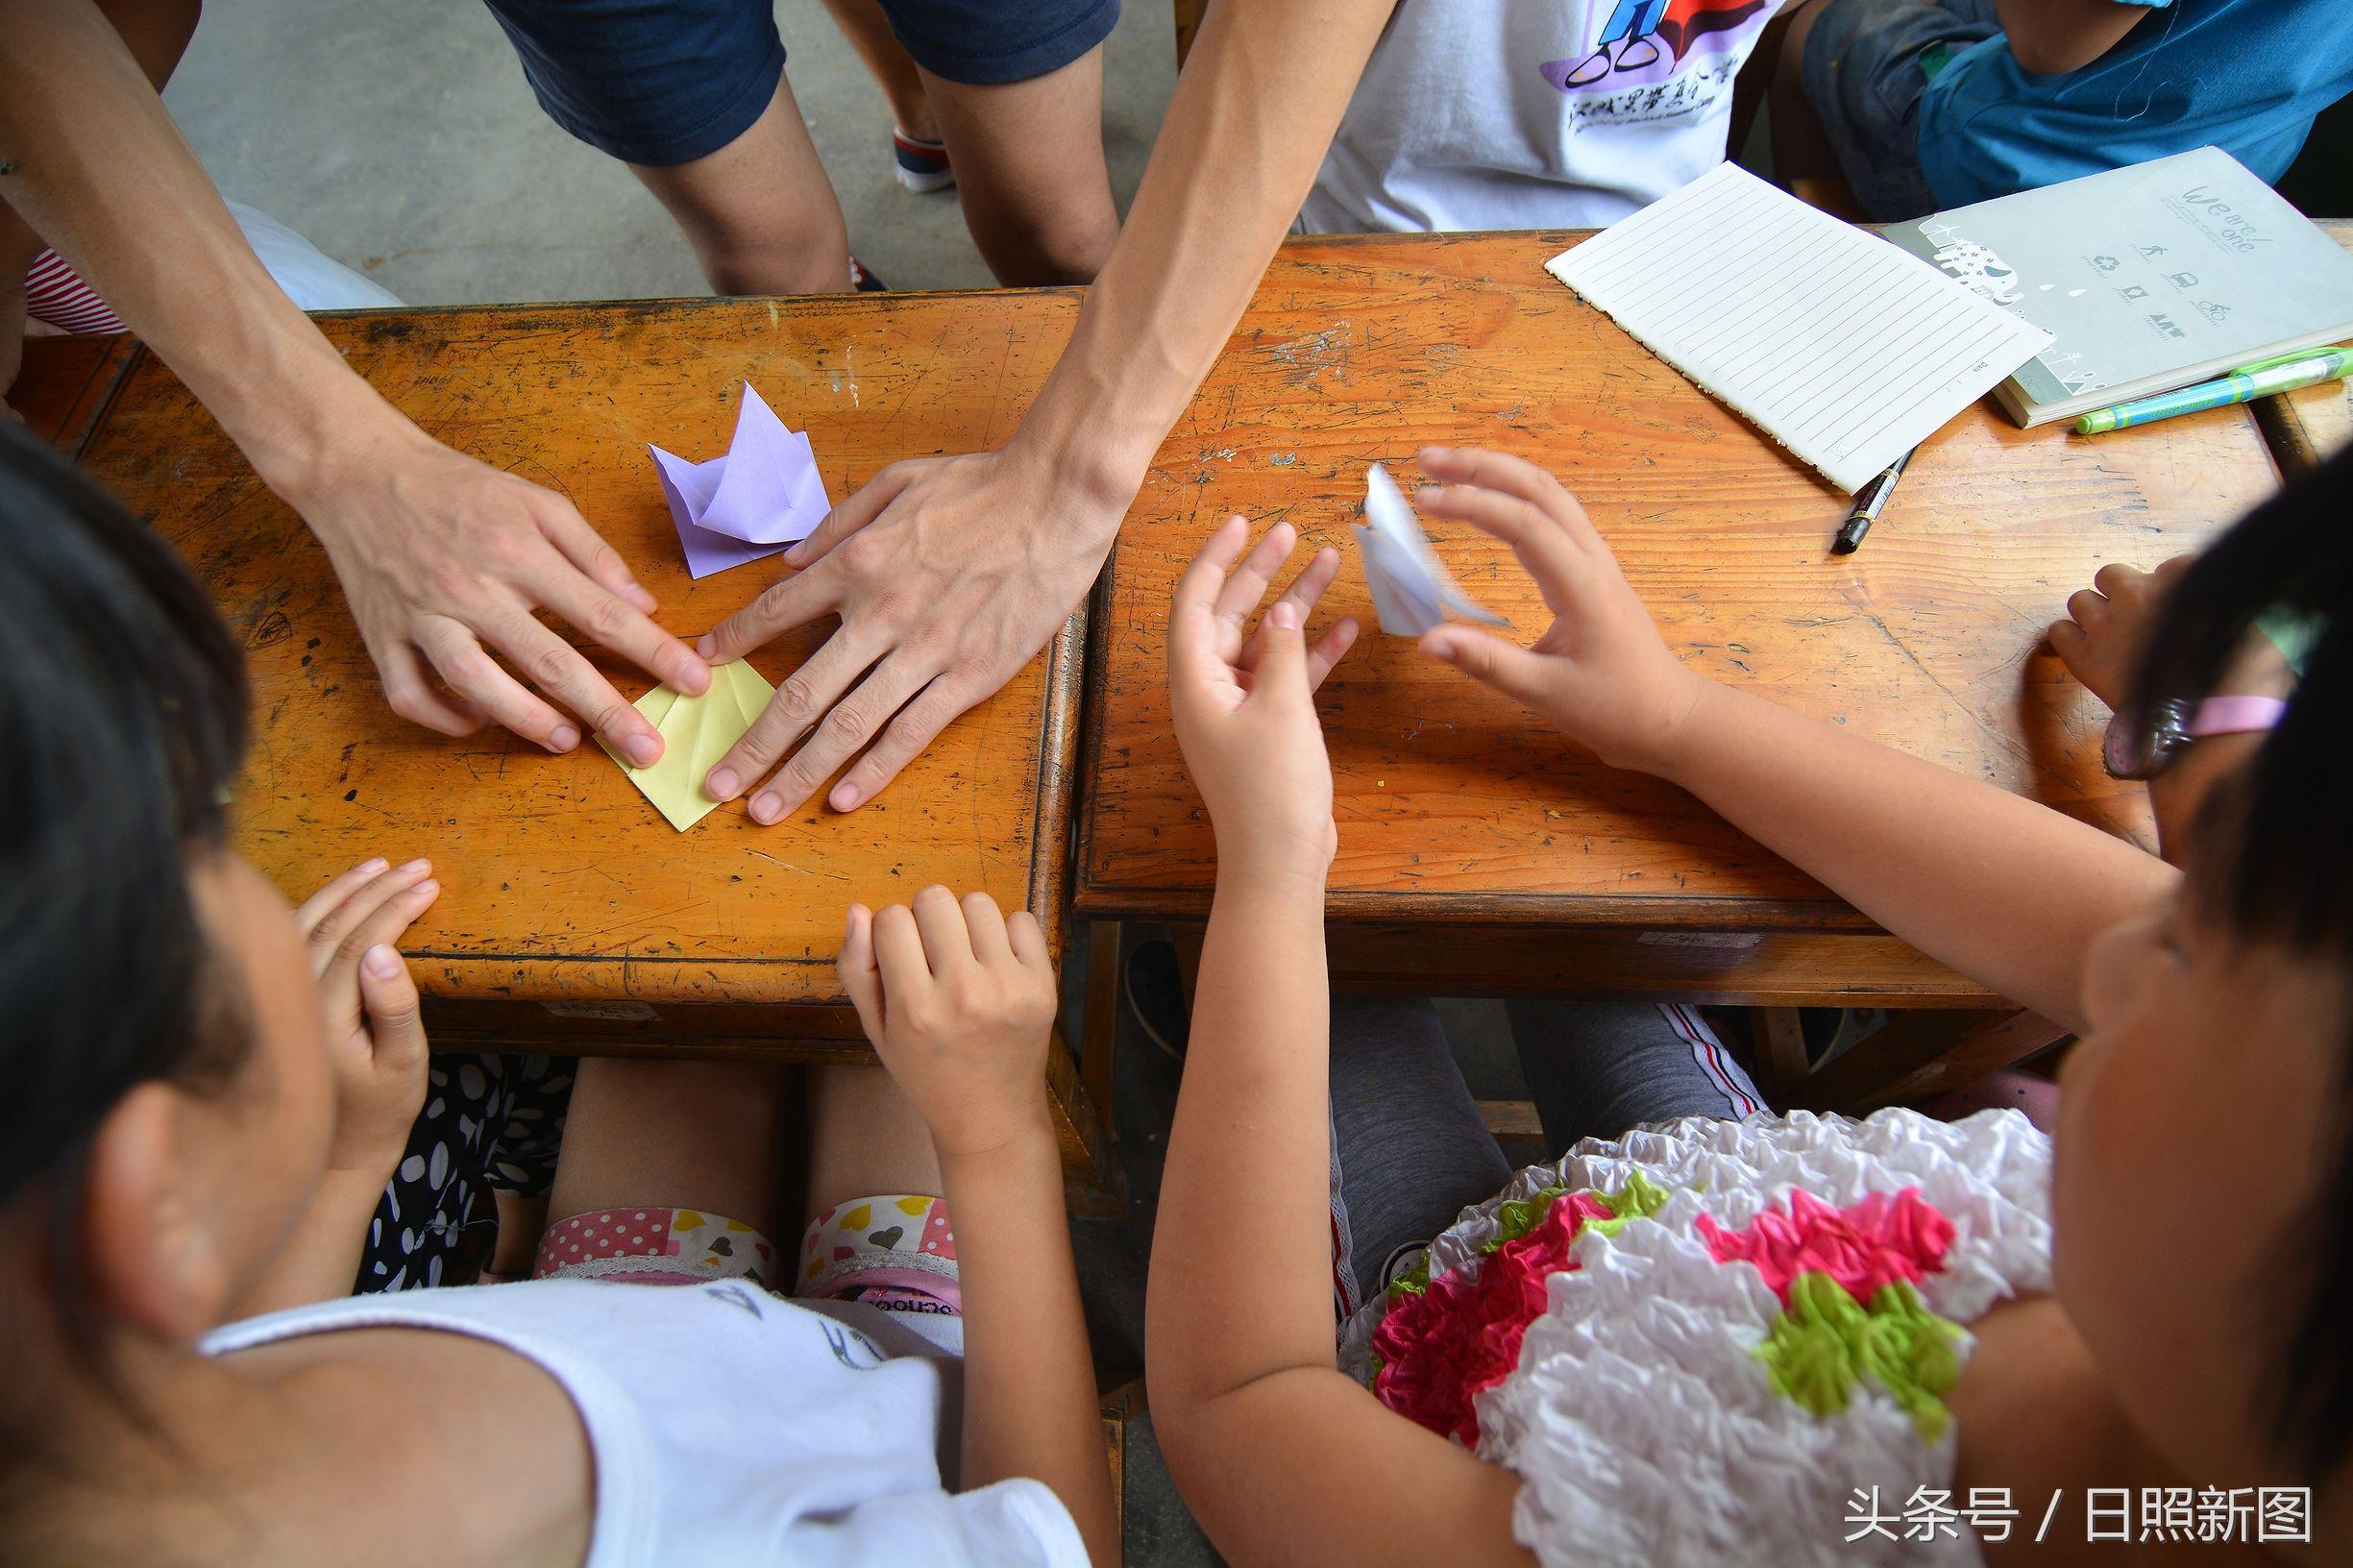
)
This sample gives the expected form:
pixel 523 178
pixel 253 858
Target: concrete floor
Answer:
pixel 404 141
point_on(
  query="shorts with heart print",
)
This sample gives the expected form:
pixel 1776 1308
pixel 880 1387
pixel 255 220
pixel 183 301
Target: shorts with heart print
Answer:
pixel 895 1251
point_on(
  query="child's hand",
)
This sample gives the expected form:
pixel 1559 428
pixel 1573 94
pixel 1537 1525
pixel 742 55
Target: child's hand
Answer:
pixel 1245 708
pixel 959 1002
pixel 2107 623
pixel 1601 672
pixel 375 1039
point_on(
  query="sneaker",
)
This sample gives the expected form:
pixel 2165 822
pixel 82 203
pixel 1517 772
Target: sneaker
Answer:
pixel 865 281
pixel 923 165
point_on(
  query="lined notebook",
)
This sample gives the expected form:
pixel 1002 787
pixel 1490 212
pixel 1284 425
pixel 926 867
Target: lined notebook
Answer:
pixel 1842 347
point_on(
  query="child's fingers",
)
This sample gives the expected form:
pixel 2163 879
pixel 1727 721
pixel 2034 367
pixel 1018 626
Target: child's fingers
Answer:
pixel 334 930
pixel 1306 589
pixel 947 943
pixel 2068 640
pixel 856 967
pixel 1328 650
pixel 1283 655
pixel 316 907
pixel 898 954
pixel 396 1025
pixel 1508 667
pixel 1514 477
pixel 1542 548
pixel 338 971
pixel 1244 590
pixel 986 923
pixel 1192 619
pixel 1028 940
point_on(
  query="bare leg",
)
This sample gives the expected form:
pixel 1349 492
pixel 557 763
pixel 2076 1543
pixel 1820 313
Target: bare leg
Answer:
pixel 1800 148
pixel 1030 171
pixel 681 1135
pixel 760 212
pixel 868 32
pixel 865 1139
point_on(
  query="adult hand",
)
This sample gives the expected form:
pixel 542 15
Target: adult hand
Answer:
pixel 444 559
pixel 959 1002
pixel 2107 625
pixel 1601 672
pixel 375 1039
pixel 1245 703
pixel 948 573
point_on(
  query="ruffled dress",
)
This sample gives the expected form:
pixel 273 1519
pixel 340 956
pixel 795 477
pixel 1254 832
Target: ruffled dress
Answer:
pixel 1709 1343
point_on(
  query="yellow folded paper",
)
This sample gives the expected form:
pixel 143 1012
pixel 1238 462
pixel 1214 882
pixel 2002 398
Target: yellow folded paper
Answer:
pixel 696 732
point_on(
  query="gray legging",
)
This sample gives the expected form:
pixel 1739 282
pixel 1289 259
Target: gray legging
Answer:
pixel 1409 1150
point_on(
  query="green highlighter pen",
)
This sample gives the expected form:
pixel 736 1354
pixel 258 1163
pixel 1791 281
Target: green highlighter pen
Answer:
pixel 2306 367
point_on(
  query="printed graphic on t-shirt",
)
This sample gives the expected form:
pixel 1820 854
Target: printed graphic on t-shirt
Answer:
pixel 1656 59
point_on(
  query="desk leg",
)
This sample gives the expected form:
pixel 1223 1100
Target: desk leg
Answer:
pixel 1093 1184
pixel 1780 1052
pixel 1919 1054
pixel 1099 1020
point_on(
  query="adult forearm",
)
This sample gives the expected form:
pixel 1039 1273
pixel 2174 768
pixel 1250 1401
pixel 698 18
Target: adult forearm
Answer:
pixel 1253 113
pixel 1029 1402
pixel 2006 890
pixel 96 166
pixel 1232 1300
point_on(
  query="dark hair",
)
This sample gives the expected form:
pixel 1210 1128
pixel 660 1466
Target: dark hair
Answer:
pixel 2274 857
pixel 122 719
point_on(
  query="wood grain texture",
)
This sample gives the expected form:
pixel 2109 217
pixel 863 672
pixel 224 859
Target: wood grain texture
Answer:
pixel 65 383
pixel 561 883
pixel 1454 806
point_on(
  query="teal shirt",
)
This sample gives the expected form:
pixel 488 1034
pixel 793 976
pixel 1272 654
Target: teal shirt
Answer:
pixel 2246 76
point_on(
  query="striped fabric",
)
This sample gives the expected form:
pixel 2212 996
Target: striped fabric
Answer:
pixel 55 294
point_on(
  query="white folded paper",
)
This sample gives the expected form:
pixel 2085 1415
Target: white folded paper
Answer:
pixel 1412 590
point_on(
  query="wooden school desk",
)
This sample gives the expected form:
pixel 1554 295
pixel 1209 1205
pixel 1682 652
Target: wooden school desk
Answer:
pixel 571 916
pixel 1481 854
pixel 2311 423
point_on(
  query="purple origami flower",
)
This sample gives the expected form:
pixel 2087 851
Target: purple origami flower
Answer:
pixel 763 495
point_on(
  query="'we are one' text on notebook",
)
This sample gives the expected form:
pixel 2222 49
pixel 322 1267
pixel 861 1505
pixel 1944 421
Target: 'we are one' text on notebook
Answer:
pixel 1842 347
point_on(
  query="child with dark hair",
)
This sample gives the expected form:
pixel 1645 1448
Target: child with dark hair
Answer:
pixel 1700 1338
pixel 207 1092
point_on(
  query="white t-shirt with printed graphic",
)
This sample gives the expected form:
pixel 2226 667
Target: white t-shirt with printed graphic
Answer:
pixel 731 1427
pixel 1519 115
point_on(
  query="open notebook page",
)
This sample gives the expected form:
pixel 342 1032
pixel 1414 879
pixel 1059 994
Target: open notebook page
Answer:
pixel 1842 347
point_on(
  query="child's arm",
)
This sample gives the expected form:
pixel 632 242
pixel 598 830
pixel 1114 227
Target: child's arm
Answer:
pixel 2050 37
pixel 375 1046
pixel 2002 888
pixel 1281 1458
pixel 959 1003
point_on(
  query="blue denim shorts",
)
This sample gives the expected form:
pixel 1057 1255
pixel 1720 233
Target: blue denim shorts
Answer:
pixel 664 82
pixel 1866 62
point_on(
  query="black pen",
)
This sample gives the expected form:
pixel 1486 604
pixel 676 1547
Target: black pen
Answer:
pixel 1868 502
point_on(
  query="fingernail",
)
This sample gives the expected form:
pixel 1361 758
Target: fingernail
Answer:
pixel 798 554
pixel 846 798
pixel 428 886
pixel 644 749
pixel 369 868
pixel 1438 648
pixel 644 599
pixel 382 961
pixel 563 738
pixel 707 646
pixel 849 922
pixel 766 807
pixel 1285 615
pixel 418 865
pixel 721 784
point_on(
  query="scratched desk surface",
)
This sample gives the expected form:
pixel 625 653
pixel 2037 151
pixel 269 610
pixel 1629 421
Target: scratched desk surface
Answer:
pixel 1452 803
pixel 560 880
